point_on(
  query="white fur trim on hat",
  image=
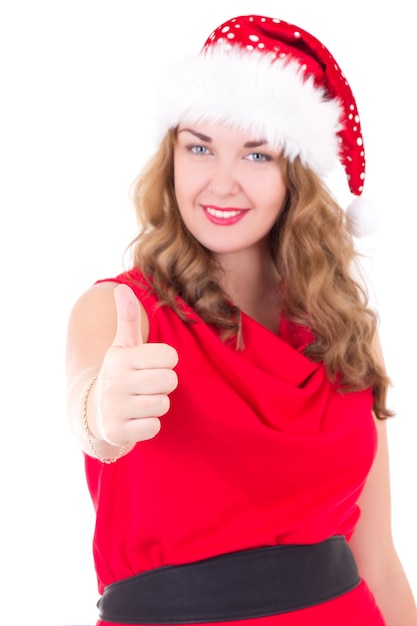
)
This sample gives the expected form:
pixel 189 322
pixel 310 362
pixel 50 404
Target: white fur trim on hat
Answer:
pixel 362 217
pixel 256 93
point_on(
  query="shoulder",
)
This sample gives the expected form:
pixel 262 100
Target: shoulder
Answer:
pixel 98 298
pixel 96 308
pixel 92 326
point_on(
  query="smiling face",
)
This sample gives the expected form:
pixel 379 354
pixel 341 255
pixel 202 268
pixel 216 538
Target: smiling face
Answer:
pixel 229 187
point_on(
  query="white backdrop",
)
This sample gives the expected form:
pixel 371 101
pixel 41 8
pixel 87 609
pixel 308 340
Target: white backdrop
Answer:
pixel 77 81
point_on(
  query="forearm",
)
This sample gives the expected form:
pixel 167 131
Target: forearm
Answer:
pixel 395 599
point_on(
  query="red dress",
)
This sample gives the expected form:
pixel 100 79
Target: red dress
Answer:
pixel 258 449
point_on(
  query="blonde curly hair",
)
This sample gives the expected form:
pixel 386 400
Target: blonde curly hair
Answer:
pixel 314 255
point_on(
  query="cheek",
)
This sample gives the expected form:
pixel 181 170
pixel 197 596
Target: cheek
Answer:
pixel 188 183
pixel 269 193
pixel 280 192
pixel 280 199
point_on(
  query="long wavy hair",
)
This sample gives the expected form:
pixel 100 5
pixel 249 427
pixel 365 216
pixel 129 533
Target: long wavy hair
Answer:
pixel 314 255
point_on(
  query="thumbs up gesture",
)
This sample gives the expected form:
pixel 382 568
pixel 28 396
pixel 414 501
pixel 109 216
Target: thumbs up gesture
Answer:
pixel 131 391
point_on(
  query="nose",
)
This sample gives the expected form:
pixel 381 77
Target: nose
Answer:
pixel 224 181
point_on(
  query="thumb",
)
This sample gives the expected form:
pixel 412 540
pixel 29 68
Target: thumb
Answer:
pixel 128 332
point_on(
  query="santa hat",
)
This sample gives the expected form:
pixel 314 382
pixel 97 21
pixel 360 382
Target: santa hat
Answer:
pixel 269 77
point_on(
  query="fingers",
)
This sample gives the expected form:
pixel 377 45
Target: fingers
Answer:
pixel 132 418
pixel 142 429
pixel 134 431
pixel 135 380
pixel 149 356
pixel 150 382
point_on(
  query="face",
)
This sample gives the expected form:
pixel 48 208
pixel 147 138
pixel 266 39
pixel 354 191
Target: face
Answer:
pixel 229 187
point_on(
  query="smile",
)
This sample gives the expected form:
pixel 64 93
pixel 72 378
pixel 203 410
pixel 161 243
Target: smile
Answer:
pixel 225 216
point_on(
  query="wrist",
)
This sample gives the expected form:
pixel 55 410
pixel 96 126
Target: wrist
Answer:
pixel 111 452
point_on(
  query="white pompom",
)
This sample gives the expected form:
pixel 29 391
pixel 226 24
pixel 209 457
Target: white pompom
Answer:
pixel 362 217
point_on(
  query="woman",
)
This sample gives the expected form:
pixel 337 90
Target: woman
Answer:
pixel 228 390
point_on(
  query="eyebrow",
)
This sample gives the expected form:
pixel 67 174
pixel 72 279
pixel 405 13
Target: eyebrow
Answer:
pixel 196 134
pixel 248 144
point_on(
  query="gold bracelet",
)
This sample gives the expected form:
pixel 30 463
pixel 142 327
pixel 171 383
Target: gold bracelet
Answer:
pixel 108 460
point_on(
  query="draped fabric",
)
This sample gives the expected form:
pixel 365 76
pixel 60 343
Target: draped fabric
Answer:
pixel 257 449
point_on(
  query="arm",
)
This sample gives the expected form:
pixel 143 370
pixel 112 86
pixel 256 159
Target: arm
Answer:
pixel 372 542
pixel 106 333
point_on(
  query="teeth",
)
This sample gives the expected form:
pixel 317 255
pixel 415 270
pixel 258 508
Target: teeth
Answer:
pixel 222 214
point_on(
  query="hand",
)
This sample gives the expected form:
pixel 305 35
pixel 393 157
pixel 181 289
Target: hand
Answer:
pixel 131 391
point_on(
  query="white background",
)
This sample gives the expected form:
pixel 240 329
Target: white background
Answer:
pixel 77 83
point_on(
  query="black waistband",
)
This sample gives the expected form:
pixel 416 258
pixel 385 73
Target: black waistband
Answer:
pixel 240 585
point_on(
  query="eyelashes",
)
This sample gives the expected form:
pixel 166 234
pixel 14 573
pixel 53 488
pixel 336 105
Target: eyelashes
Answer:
pixel 256 157
pixel 198 149
pixel 259 156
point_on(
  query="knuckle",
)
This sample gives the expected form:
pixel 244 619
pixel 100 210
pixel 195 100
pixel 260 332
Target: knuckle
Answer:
pixel 147 429
pixel 154 405
pixel 113 359
pixel 155 381
pixel 173 356
pixel 172 382
pixel 149 406
pixel 168 380
pixel 165 404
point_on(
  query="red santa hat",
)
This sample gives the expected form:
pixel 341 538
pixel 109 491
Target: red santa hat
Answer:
pixel 269 77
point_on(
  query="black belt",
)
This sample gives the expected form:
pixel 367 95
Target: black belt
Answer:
pixel 240 585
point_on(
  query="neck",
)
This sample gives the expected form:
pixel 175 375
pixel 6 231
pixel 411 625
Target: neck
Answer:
pixel 252 284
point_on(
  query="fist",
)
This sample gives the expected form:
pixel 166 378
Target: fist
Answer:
pixel 135 380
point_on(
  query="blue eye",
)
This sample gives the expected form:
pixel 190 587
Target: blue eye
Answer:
pixel 258 156
pixel 197 149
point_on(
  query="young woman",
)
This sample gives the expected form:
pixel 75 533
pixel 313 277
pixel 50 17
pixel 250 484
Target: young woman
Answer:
pixel 228 390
